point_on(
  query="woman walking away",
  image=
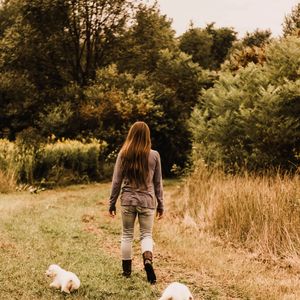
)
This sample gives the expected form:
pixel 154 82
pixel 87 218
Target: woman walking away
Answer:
pixel 138 167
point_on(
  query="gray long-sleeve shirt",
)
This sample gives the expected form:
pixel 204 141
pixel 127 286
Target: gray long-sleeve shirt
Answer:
pixel 150 197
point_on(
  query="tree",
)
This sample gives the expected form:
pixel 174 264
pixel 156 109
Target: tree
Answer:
pixel 93 26
pixel 209 46
pixel 250 118
pixel 63 40
pixel 56 43
pixel 240 57
pixel 197 42
pixel 291 24
pixel 257 38
pixel 34 43
pixel 223 39
pixel 18 99
pixel 250 49
pixel 114 102
pixel 140 45
pixel 179 83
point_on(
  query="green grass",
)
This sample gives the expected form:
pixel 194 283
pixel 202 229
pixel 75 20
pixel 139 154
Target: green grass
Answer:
pixel 47 231
pixel 71 227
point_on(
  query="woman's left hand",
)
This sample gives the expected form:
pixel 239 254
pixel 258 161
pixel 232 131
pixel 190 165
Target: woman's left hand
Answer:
pixel 159 214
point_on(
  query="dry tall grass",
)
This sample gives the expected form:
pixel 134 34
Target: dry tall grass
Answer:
pixel 261 213
pixel 7 167
pixel 7 182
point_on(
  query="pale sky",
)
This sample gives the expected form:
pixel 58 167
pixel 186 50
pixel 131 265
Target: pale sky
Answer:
pixel 242 15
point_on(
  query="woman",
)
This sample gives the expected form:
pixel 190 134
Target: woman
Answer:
pixel 138 167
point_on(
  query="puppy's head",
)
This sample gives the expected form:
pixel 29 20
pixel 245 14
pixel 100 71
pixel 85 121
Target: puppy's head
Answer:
pixel 52 271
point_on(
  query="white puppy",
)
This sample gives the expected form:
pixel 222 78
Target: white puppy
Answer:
pixel 62 279
pixel 177 291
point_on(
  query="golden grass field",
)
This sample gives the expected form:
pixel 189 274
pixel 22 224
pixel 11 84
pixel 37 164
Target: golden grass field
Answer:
pixel 70 226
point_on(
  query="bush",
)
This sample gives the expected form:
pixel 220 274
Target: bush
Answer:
pixel 70 161
pixel 53 163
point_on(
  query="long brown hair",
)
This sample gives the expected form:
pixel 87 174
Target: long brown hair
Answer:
pixel 135 153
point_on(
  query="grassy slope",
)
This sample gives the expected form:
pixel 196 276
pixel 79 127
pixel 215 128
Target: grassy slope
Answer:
pixel 70 227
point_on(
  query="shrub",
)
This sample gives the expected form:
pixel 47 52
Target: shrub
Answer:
pixel 28 160
pixel 70 161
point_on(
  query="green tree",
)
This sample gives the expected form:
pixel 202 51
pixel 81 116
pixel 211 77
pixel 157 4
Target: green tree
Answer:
pixel 197 42
pixel 113 102
pixel 209 46
pixel 63 40
pixel 291 24
pixel 93 26
pixel 56 43
pixel 179 83
pixel 257 38
pixel 251 118
pixel 223 39
pixel 140 45
pixel 18 100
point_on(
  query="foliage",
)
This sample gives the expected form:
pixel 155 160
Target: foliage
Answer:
pixel 27 147
pixel 45 31
pixel 93 27
pixel 56 118
pixel 250 49
pixel 6 154
pixel 60 162
pixel 197 42
pixel 18 98
pixel 139 47
pixel 115 101
pixel 251 118
pixel 179 82
pixel 291 23
pixel 8 12
pixel 70 161
pixel 209 46
pixel 240 57
pixel 257 38
pixel 89 69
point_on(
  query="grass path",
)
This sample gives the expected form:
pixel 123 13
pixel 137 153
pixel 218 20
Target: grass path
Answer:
pixel 71 227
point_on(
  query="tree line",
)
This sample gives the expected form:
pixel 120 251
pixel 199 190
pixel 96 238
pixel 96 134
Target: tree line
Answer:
pixel 90 68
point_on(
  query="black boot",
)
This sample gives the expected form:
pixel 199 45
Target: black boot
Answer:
pixel 126 265
pixel 148 257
